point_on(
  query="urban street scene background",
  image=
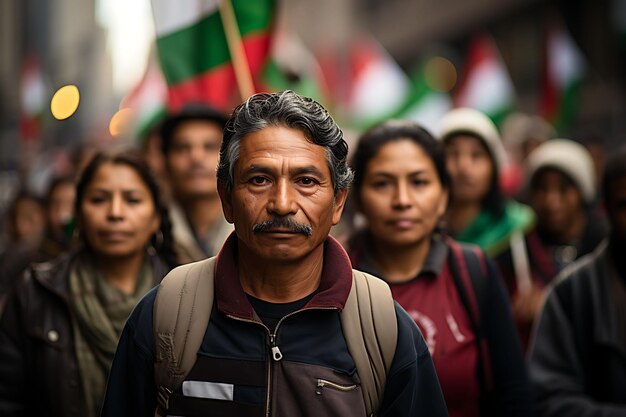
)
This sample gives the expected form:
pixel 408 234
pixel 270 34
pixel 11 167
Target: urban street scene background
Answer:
pixel 484 183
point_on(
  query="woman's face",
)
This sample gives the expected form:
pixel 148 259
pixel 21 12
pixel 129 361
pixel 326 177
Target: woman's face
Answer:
pixel 117 214
pixel 401 195
pixel 470 167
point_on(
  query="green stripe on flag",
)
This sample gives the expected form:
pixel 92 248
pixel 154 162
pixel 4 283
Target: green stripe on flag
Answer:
pixel 568 106
pixel 202 46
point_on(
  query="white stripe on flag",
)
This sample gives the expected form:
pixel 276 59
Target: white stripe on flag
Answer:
pixel 173 15
pixel 489 88
pixel 211 390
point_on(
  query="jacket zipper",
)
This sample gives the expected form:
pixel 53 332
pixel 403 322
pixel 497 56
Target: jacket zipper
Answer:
pixel 275 350
pixel 323 383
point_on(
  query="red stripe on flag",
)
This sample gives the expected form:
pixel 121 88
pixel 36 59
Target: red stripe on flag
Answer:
pixel 550 94
pixel 215 87
pixel 218 86
pixel 480 50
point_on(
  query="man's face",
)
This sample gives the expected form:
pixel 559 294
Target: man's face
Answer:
pixel 192 158
pixel 282 202
pixel 616 206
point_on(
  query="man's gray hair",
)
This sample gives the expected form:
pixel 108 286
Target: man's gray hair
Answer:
pixel 290 110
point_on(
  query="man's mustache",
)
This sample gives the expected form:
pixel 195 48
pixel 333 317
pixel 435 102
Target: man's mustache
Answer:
pixel 283 223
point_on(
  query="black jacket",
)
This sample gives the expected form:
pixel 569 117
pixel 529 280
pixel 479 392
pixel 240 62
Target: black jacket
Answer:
pixel 578 359
pixel 236 353
pixel 39 373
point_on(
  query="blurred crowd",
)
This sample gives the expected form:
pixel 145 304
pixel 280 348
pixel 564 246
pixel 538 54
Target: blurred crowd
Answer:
pixel 487 236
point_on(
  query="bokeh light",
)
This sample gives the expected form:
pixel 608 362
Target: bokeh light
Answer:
pixel 121 122
pixel 440 74
pixel 65 102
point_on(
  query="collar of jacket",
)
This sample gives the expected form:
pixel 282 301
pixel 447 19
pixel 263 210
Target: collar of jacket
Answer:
pixel 333 291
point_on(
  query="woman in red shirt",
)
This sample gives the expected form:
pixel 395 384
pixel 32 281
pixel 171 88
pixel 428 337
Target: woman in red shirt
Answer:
pixel 451 291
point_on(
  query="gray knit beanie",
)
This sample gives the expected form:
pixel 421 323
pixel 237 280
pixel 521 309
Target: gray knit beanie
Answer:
pixel 568 157
pixel 469 121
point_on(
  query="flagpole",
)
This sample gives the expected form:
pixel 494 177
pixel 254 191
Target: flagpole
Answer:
pixel 237 52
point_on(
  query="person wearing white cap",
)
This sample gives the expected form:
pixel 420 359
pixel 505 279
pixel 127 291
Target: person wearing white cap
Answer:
pixel 478 211
pixel 561 188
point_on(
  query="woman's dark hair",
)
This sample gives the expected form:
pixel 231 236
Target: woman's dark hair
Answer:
pixel 391 131
pixel 134 160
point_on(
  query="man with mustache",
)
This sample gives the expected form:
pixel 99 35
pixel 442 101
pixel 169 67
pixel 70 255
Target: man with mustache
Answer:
pixel 191 140
pixel 275 343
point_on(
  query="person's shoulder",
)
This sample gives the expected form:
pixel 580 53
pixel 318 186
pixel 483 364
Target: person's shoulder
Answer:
pixel 582 269
pixel 139 325
pixel 411 343
pixel 573 285
pixel 143 311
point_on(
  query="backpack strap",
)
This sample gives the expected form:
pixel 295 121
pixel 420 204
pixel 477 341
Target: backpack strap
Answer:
pixel 470 274
pixel 182 309
pixel 370 328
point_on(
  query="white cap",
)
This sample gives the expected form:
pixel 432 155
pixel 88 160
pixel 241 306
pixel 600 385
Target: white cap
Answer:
pixel 570 158
pixel 475 123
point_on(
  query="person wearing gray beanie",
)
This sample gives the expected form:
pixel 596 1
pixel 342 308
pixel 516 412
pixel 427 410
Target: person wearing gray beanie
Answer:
pixel 478 212
pixel 577 363
pixel 561 188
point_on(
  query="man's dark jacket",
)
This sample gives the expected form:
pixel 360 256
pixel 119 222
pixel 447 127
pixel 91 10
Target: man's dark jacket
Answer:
pixel 236 354
pixel 578 355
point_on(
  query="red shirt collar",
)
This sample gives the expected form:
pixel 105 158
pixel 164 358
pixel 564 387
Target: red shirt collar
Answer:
pixel 333 291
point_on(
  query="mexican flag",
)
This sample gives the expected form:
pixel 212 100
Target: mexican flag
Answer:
pixel 194 52
pixel 564 69
pixel 485 84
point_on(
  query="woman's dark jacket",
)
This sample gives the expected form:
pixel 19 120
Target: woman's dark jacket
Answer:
pixel 39 373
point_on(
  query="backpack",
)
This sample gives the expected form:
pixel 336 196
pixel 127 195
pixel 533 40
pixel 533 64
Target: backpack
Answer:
pixel 182 310
pixel 470 274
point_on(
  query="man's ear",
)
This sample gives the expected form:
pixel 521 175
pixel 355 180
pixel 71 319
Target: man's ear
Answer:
pixel 340 202
pixel 225 197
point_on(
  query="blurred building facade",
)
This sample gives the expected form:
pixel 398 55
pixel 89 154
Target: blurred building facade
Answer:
pixel 411 29
pixel 62 43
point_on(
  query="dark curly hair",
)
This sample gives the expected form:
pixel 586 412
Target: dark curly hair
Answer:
pixel 291 110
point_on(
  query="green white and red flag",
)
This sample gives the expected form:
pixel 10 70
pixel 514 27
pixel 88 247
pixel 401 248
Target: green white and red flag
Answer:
pixel 379 87
pixel 564 69
pixel 485 84
pixel 148 99
pixel 194 52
